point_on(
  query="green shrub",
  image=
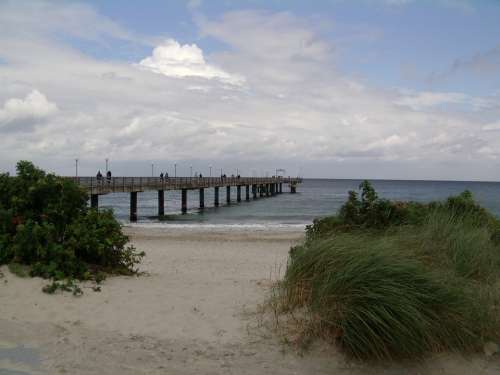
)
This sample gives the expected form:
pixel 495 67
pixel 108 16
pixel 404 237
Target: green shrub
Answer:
pixel 464 243
pixel 377 301
pixel 398 279
pixel 45 223
pixel 369 212
pixel 20 270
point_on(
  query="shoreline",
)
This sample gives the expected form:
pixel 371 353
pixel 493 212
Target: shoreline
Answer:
pixel 221 227
pixel 213 233
pixel 196 310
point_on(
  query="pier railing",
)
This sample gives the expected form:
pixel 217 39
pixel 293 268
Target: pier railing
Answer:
pixel 95 185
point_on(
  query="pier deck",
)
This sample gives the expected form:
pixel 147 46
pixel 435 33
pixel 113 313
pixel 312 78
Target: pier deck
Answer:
pixel 138 184
pixel 260 187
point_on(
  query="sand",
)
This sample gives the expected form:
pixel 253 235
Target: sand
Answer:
pixel 196 311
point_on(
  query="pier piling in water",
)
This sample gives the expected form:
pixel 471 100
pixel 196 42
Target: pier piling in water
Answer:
pixel 94 201
pixel 202 198
pixel 161 202
pixel 261 186
pixel 216 196
pixel 133 206
pixel 184 200
pixel 238 193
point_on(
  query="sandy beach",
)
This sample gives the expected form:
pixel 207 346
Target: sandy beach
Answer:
pixel 194 311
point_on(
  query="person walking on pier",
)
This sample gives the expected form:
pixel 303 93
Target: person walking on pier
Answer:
pixel 108 176
pixel 161 176
pixel 99 176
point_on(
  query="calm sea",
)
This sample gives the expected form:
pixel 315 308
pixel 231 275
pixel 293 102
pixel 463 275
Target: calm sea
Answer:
pixel 314 198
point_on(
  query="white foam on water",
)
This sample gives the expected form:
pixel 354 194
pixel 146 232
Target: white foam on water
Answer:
pixel 272 227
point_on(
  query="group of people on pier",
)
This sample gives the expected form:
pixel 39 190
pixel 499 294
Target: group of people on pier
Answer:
pixel 100 178
pixel 163 176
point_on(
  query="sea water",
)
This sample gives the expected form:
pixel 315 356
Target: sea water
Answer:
pixel 314 198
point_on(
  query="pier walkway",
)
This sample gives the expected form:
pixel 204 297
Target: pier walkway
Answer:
pixel 257 186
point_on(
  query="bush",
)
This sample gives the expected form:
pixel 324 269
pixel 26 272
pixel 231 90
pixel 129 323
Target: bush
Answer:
pixel 398 279
pixel 377 302
pixel 371 212
pixel 45 223
pixel 464 243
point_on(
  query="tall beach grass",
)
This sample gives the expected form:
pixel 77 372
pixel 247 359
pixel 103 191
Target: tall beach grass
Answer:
pixel 403 289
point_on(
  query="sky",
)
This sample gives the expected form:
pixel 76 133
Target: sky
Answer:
pixel 388 89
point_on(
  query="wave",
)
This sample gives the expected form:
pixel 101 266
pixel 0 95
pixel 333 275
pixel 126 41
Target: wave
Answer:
pixel 222 227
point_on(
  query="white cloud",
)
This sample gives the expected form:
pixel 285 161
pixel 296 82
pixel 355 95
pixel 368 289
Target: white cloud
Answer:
pixel 34 106
pixel 492 126
pixel 45 18
pixel 180 61
pixel 424 100
pixel 294 108
pixel 268 36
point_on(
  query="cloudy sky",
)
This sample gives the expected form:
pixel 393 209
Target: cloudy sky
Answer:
pixel 406 89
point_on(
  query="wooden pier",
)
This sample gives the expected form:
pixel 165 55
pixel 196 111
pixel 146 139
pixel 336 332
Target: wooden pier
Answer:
pixel 254 187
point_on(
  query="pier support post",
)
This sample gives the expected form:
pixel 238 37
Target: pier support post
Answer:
pixel 261 190
pixel 238 193
pixel 247 193
pixel 184 200
pixel 94 201
pixel 281 188
pixel 273 189
pixel 216 196
pixel 133 206
pixel 161 202
pixel 228 194
pixel 293 189
pixel 268 190
pixel 254 191
pixel 202 198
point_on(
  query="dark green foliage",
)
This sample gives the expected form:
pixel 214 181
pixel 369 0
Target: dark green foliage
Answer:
pixel 377 301
pixel 372 212
pixel 21 270
pixel 45 223
pixel 398 280
pixel 67 286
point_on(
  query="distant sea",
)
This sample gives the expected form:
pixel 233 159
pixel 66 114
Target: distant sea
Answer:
pixel 314 198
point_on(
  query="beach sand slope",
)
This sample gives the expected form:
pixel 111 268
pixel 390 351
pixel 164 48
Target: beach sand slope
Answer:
pixel 195 311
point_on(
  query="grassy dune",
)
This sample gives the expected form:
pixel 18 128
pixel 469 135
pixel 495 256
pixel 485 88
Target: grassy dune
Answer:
pixel 388 280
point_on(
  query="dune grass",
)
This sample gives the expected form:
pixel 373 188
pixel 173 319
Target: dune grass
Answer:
pixel 402 291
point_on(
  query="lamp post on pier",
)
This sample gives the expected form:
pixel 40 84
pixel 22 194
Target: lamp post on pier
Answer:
pixel 152 170
pixel 76 167
pixel 190 171
pixel 175 169
pixel 210 167
pixel 107 165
